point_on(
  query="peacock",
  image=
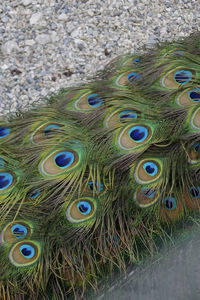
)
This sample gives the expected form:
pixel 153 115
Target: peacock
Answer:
pixel 93 176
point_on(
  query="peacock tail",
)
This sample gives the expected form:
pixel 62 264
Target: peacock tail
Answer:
pixel 92 177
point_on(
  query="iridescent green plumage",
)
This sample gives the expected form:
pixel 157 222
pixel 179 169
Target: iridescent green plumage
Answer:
pixel 88 180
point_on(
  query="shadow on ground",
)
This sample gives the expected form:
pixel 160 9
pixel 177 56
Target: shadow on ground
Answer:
pixel 174 274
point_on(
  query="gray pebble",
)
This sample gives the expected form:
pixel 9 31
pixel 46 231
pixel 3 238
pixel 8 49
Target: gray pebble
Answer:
pixel 26 2
pixel 4 19
pixel 63 17
pixel 29 42
pixel 9 47
pixel 29 80
pixel 80 47
pixel 35 18
pixel 67 40
pixel 43 38
pixel 53 26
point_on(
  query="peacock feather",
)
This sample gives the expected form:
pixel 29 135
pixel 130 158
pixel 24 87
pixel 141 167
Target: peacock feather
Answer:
pixel 92 178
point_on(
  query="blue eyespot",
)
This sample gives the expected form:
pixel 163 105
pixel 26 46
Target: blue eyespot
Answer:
pixel 27 251
pixel 19 231
pixel 84 207
pixel 195 192
pixel 194 95
pixel 91 186
pixel 182 77
pixel 94 100
pixel 196 147
pixel 127 114
pixel 64 159
pixel 170 203
pixel 178 53
pixel 50 130
pixel 150 168
pixel 149 193
pixel 138 133
pixel 136 60
pixel 4 132
pixel 33 194
pixel 133 76
pixel 6 180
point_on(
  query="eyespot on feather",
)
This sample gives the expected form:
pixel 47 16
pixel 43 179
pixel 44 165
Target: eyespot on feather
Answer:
pixel 5 133
pixel 132 61
pixel 45 132
pixel 7 181
pixel 88 101
pixel 194 154
pixel 169 203
pixel 126 78
pixel 146 196
pixel 177 77
pixel 33 194
pixel 81 209
pixel 93 187
pixel 59 162
pixel 178 53
pixel 194 95
pixel 188 97
pixel 96 187
pixel 174 52
pixel 192 197
pixel 15 231
pixel 133 136
pixel 24 253
pixel 120 117
pixel 171 209
pixel 148 171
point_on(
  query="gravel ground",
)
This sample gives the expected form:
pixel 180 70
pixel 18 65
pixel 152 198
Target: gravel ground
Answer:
pixel 49 44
